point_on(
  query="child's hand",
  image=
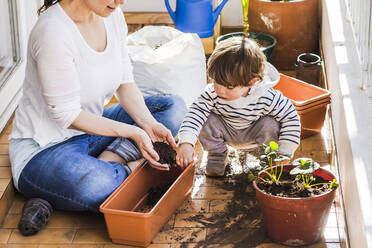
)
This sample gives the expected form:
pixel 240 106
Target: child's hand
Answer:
pixel 185 155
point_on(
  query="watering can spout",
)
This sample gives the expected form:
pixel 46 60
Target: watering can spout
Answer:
pixel 170 10
pixel 217 11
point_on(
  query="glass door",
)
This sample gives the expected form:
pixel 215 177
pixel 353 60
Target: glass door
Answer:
pixel 9 39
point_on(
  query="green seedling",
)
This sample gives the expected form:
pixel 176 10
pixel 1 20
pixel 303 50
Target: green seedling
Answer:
pixel 245 5
pixel 305 167
pixel 269 159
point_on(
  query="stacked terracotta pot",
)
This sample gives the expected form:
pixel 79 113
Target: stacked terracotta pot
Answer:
pixel 310 102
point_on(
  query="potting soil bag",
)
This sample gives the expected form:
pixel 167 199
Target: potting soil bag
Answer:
pixel 168 61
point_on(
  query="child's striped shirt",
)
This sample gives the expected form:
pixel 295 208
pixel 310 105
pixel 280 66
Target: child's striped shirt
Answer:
pixel 242 113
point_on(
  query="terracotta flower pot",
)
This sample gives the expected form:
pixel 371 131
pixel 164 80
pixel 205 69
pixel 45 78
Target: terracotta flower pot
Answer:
pixel 293 23
pixel 125 224
pixel 296 221
pixel 309 100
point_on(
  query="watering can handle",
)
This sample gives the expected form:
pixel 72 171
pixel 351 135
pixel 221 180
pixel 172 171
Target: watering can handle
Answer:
pixel 170 11
pixel 218 10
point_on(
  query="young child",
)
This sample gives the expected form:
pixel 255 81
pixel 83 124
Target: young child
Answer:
pixel 238 108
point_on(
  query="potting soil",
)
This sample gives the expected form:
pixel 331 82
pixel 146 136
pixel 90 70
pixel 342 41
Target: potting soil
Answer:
pixel 154 195
pixel 166 153
pixel 286 187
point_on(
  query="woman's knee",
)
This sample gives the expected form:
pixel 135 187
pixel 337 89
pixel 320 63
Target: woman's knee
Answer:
pixel 94 187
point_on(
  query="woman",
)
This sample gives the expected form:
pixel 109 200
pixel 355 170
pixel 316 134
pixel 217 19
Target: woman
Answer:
pixel 66 150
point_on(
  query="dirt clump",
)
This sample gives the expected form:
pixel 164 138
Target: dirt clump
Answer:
pixel 166 153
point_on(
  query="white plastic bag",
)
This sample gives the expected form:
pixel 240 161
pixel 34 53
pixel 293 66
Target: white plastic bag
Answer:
pixel 167 61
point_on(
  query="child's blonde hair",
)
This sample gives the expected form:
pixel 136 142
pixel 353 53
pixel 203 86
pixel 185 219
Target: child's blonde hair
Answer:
pixel 235 62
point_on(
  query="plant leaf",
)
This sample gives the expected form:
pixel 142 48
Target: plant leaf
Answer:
pixel 274 146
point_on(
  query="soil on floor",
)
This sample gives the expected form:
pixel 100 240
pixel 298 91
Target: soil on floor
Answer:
pixel 241 223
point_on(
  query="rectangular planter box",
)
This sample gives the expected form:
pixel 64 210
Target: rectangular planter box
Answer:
pixel 310 102
pixel 124 224
pixel 301 93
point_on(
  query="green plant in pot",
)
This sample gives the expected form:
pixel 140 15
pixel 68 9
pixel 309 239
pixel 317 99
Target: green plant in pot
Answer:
pixel 266 42
pixel 295 198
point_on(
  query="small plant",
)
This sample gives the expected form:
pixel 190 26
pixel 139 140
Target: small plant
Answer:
pixel 305 167
pixel 269 159
pixel 245 5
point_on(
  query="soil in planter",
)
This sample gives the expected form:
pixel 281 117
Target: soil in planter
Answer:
pixel 154 195
pixel 240 224
pixel 167 156
pixel 262 43
pixel 286 188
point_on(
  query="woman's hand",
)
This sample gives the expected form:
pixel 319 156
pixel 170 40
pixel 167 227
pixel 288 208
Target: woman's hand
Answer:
pixel 144 143
pixel 158 132
pixel 185 155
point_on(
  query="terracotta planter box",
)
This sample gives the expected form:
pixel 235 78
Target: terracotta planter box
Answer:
pixel 127 226
pixel 296 221
pixel 309 100
pixel 294 24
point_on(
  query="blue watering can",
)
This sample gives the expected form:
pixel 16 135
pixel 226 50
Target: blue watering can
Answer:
pixel 195 16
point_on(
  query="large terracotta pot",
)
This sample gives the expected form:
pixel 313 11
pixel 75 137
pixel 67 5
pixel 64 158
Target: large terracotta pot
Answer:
pixel 294 24
pixel 296 221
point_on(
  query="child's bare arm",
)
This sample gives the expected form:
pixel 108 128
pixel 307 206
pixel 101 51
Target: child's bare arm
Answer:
pixel 185 154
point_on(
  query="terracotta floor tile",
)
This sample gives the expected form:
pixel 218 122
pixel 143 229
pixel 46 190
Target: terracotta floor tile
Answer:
pixel 202 180
pixel 5 172
pixel 7 196
pixel 4 161
pixel 45 236
pixel 91 235
pixel 4 149
pixel 324 245
pixel 332 220
pixel 19 246
pixel 317 245
pixel 220 205
pixel 61 219
pixel 73 246
pixel 315 145
pixel 180 235
pixel 4 138
pixel 88 220
pixel 193 220
pixel 4 182
pixel 318 156
pixel 240 237
pixel 4 235
pixel 331 235
pixel 11 221
pixel 170 223
pixel 271 245
pixel 210 193
pixel 193 206
pixel 197 245
pixel 17 204
pixel 129 246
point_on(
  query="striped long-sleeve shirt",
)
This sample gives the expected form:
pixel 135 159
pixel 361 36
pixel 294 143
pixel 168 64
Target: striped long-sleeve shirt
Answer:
pixel 243 112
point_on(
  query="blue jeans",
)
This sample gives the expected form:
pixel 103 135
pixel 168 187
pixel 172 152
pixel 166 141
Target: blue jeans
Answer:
pixel 70 176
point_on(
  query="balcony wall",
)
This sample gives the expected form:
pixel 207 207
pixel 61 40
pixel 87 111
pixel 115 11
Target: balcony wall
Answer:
pixel 352 120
